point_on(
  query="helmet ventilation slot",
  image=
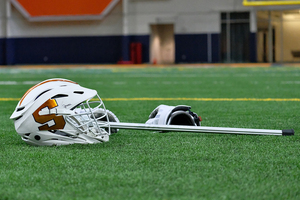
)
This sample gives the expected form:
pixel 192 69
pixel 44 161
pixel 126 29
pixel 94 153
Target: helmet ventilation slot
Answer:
pixel 18 117
pixel 78 92
pixel 42 94
pixel 21 108
pixel 76 106
pixel 59 96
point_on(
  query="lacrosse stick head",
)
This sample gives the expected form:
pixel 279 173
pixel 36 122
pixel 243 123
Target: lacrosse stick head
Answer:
pixel 174 115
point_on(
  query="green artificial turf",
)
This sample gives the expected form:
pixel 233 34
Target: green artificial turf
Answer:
pixel 148 165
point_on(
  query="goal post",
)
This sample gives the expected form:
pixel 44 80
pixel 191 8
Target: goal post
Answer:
pixel 270 2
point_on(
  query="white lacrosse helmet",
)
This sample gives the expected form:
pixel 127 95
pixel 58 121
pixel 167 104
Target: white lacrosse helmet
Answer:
pixel 61 112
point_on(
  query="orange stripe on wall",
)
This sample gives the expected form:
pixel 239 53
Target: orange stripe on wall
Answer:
pixel 38 8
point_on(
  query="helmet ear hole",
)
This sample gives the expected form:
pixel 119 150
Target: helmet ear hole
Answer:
pixel 37 137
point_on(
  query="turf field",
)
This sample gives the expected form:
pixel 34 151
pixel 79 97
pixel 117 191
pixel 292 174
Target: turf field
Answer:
pixel 148 165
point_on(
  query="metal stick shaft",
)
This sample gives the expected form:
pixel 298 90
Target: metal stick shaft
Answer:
pixel 200 129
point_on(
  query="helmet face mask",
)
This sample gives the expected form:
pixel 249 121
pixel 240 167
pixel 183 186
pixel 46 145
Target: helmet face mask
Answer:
pixel 61 112
pixel 85 121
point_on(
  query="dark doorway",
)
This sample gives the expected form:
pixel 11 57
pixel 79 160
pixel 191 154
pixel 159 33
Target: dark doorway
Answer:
pixel 235 37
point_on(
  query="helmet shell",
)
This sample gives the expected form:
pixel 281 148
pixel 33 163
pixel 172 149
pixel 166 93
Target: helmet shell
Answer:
pixel 43 115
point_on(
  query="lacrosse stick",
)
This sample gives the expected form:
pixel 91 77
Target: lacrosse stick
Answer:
pixel 200 129
pixel 181 119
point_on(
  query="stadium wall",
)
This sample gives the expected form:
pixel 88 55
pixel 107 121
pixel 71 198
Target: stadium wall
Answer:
pixel 196 33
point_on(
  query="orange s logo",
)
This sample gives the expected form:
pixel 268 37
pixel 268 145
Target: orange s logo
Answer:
pixel 59 122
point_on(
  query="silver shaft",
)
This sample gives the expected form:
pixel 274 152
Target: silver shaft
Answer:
pixel 200 129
